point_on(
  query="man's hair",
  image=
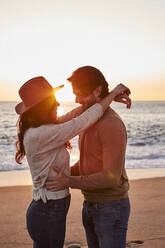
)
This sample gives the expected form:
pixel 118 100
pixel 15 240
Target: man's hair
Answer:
pixel 87 79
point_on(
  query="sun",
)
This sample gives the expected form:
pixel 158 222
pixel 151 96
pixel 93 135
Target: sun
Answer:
pixel 65 94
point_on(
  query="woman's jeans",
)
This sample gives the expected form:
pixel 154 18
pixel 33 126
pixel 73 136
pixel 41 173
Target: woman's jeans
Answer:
pixel 106 223
pixel 46 222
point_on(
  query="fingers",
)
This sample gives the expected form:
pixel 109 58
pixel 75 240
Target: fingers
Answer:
pixel 50 179
pixel 52 185
pixel 126 90
pixel 61 181
pixel 124 98
pixel 55 186
pixel 53 180
pixel 49 182
pixel 127 101
pixel 121 89
pixel 56 169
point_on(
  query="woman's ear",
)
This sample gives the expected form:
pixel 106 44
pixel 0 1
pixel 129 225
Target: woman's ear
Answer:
pixel 97 91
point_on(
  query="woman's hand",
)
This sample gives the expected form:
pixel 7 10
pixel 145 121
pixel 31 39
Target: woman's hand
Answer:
pixel 121 94
pixel 121 89
pixel 123 99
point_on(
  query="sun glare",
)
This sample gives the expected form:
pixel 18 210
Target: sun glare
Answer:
pixel 60 111
pixel 65 94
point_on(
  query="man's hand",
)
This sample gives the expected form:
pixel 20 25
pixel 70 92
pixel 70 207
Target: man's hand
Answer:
pixel 60 182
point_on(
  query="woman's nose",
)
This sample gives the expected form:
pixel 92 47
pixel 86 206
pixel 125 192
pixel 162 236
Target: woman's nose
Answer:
pixel 58 104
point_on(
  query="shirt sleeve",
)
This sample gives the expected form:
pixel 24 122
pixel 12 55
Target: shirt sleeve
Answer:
pixel 113 143
pixel 55 135
pixel 70 115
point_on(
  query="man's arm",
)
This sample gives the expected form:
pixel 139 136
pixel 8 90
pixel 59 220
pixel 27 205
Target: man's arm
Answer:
pixel 74 170
pixel 113 142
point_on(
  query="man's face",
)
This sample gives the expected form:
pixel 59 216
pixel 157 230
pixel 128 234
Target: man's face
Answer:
pixel 84 98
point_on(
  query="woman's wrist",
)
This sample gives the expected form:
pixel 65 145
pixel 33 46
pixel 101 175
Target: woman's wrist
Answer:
pixel 113 94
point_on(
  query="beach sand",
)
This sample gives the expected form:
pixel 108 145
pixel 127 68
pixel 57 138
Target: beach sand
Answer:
pixel 23 177
pixel 147 220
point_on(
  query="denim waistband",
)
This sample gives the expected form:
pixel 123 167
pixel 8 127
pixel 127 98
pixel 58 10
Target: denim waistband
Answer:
pixel 52 200
pixel 107 202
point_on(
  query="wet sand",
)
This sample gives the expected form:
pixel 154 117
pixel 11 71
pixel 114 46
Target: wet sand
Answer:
pixel 147 220
pixel 23 177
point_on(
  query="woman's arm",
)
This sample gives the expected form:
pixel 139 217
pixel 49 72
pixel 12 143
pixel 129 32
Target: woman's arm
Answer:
pixel 70 115
pixel 56 135
pixel 120 92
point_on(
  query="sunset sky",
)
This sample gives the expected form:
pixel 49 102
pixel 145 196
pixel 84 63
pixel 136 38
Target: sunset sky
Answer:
pixel 125 39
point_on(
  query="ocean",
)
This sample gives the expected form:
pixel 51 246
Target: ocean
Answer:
pixel 145 123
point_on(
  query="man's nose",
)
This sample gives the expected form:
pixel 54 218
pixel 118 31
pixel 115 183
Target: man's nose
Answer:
pixel 77 99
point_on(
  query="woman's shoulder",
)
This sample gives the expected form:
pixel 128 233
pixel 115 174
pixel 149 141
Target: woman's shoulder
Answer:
pixel 35 132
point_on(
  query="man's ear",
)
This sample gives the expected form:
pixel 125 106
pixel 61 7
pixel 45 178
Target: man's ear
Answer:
pixel 97 91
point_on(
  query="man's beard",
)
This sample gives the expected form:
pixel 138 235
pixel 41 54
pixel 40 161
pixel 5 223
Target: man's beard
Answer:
pixel 88 104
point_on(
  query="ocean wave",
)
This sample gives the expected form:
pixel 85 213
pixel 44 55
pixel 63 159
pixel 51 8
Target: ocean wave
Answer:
pixel 145 129
pixel 10 164
pixel 147 157
pixel 137 144
pixel 147 140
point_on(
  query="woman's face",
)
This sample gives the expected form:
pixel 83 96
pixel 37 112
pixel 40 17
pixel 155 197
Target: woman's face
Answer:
pixel 54 112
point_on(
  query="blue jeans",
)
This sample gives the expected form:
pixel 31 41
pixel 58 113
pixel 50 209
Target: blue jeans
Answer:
pixel 106 223
pixel 46 222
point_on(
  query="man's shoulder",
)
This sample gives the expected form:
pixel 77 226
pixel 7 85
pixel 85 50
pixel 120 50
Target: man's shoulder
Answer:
pixel 110 117
pixel 110 122
pixel 110 126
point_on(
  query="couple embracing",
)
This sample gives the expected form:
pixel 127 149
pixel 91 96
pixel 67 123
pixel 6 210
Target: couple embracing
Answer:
pixel 43 138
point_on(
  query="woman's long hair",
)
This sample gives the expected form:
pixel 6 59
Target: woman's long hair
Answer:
pixel 33 118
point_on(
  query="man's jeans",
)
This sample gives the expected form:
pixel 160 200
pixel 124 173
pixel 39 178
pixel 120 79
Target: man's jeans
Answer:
pixel 46 222
pixel 106 223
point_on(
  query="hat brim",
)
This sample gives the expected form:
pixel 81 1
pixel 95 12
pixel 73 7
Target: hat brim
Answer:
pixel 20 108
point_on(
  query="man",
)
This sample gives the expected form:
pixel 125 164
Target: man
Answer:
pixel 100 172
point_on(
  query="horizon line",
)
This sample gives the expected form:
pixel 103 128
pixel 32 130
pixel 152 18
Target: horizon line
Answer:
pixel 74 102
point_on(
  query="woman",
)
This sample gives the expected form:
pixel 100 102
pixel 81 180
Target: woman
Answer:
pixel 43 138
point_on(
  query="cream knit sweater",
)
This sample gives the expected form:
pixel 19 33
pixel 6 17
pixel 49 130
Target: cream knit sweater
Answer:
pixel 45 148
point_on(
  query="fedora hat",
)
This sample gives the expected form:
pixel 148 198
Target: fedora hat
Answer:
pixel 33 92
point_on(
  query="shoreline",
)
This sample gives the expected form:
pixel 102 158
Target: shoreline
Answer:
pixel 23 177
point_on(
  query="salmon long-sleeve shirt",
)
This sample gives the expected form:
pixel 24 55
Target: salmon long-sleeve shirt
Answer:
pixel 101 167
